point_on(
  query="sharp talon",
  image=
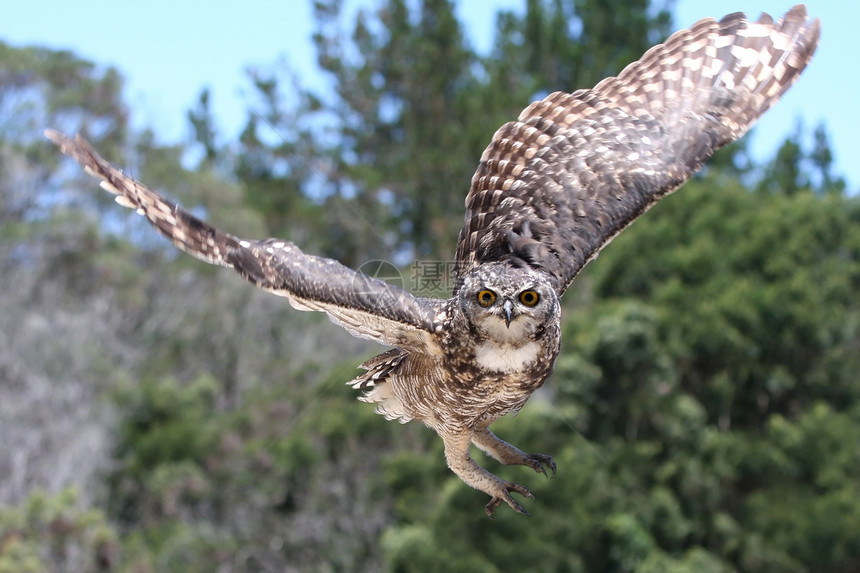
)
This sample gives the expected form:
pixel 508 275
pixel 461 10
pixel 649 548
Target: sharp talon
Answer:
pixel 516 506
pixel 541 460
pixel 520 489
pixel 490 508
pixel 505 495
pixel 553 466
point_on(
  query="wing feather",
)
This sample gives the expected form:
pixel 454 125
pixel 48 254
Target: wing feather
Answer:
pixel 558 184
pixel 365 306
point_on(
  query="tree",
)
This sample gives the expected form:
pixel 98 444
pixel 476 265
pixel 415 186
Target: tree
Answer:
pixel 795 169
pixel 394 143
pixel 43 239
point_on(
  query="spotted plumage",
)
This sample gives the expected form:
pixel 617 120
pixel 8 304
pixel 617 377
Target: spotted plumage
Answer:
pixel 552 189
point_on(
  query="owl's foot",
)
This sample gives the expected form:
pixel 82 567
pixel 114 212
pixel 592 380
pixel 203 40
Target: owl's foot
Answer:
pixel 499 490
pixel 508 454
pixel 503 493
pixel 537 463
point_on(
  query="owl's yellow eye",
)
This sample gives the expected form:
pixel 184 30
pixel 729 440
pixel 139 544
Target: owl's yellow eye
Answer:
pixel 486 298
pixel 529 297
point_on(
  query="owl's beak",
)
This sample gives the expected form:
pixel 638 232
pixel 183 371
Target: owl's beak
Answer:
pixel 508 308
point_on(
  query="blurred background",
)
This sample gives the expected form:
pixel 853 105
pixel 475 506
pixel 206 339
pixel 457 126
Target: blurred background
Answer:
pixel 158 414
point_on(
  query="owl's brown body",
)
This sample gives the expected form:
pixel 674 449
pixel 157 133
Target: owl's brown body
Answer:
pixel 487 369
pixel 482 369
pixel 551 190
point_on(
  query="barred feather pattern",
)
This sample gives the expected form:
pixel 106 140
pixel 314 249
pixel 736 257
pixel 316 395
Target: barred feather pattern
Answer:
pixel 558 184
pixel 365 306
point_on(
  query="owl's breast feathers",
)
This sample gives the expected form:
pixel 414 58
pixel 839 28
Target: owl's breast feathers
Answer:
pixel 472 379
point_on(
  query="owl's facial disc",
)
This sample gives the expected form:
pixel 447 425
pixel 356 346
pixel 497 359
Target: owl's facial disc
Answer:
pixel 507 304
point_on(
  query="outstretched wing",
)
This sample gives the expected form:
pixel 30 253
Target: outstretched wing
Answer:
pixel 558 184
pixel 366 307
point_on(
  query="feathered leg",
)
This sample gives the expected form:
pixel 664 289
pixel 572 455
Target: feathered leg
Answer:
pixel 461 463
pixel 509 455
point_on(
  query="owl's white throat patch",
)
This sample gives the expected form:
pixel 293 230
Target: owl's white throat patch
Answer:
pixel 494 328
pixel 497 357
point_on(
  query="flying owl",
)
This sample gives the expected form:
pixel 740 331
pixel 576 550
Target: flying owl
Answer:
pixel 552 189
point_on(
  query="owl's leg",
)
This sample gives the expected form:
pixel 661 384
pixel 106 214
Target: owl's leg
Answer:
pixel 462 464
pixel 509 455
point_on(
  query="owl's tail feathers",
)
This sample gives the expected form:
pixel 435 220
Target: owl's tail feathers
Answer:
pixel 378 389
pixel 378 369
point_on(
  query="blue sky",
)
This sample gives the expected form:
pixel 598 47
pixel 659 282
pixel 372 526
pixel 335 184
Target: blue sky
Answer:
pixel 168 50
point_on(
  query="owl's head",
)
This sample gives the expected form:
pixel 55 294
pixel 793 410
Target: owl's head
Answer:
pixel 507 303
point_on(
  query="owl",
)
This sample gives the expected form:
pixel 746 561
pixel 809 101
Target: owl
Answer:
pixel 552 189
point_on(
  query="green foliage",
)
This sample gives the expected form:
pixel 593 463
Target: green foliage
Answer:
pixel 40 84
pixel 53 529
pixel 203 124
pixel 796 169
pixel 42 88
pixel 188 476
pixel 572 44
pixel 766 284
pixel 166 435
pixel 165 422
